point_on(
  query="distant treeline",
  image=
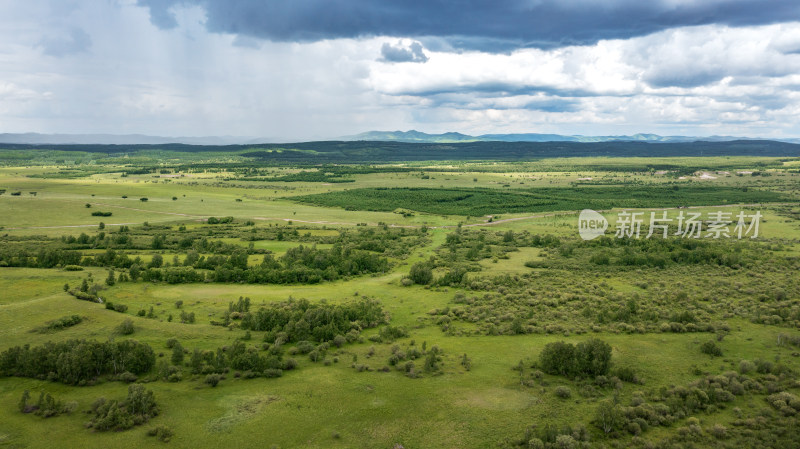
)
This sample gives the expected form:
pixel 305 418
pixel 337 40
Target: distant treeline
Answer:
pixel 368 151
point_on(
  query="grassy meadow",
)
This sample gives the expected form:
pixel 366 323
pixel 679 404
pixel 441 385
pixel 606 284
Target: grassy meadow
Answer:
pixel 474 277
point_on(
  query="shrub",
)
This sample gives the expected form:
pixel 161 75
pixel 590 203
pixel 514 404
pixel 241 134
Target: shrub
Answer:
pixel 563 392
pixel 711 349
pixel 557 358
pixel 421 273
pixel 213 379
pixel 136 409
pixel 162 433
pixel 627 374
pixel 126 327
pixel 339 341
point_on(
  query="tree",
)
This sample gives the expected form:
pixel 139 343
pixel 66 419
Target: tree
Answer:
pixel 111 280
pixel 156 262
pixel 557 358
pixel 592 357
pixel 421 273
pixel 134 272
pixel 608 416
pixel 177 354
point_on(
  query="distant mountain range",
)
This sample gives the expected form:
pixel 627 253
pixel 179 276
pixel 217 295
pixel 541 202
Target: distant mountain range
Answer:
pixel 452 137
pixel 411 136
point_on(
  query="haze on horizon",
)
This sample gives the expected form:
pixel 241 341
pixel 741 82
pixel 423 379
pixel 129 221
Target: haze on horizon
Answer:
pixel 316 69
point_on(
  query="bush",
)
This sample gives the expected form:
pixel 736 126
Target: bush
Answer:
pixel 339 341
pixel 125 328
pixel 136 409
pixel 162 433
pixel 62 323
pixel 213 379
pixel 711 349
pixel 421 273
pixel 557 358
pixel 563 392
pixel 627 374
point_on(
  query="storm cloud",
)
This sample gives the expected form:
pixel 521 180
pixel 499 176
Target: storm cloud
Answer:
pixel 401 53
pixel 486 25
pixel 306 70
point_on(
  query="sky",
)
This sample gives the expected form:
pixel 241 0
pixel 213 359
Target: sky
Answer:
pixel 320 69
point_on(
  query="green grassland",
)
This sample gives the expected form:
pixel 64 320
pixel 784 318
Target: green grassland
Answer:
pixel 508 276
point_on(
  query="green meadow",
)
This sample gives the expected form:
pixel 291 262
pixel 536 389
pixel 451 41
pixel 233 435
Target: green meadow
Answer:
pixel 476 270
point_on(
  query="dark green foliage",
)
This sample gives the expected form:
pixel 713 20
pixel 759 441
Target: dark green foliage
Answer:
pixel 47 406
pixel 138 408
pixel 304 176
pixel 421 273
pixel 481 201
pixel 563 392
pixel 627 374
pixel 61 323
pixel 76 361
pixel 302 320
pixel 466 362
pixel 433 360
pixel 711 348
pixel 213 379
pixel 388 334
pixel 162 433
pixel 592 358
pixel 558 358
pixel 125 328
pixel 589 358
pixel 98 213
pixel 223 220
pixel 177 354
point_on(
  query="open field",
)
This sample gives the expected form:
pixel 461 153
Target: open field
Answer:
pixel 427 316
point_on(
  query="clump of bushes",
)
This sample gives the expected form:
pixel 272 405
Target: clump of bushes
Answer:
pixel 588 358
pixel 61 323
pixel 136 409
pixel 47 406
pixel 162 433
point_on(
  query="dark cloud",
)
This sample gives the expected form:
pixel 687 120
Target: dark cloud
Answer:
pixel 77 41
pixel 489 25
pixel 401 53
pixel 684 78
pixel 160 14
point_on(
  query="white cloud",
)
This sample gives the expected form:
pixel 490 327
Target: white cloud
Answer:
pixel 184 80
